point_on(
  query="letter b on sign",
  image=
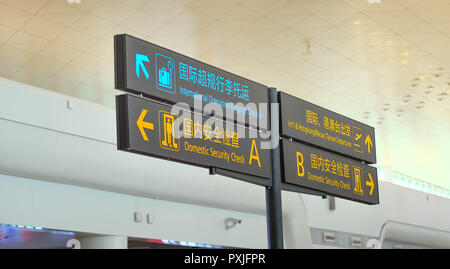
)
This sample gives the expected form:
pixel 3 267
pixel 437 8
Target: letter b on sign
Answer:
pixel 300 168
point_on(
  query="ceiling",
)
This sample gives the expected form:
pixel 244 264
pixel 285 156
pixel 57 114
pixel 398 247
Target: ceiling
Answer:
pixel 386 64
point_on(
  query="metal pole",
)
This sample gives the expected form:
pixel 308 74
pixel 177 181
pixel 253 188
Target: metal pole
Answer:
pixel 274 214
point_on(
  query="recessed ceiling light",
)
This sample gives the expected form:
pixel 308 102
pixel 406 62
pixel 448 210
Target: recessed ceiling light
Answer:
pixel 448 91
pixel 405 53
pixel 73 1
pixel 357 22
pixel 404 62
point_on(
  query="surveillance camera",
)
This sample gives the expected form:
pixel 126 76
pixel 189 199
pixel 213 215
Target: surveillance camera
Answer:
pixel 231 222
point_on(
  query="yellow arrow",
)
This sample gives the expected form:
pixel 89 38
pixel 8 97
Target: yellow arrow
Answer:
pixel 142 124
pixel 370 184
pixel 368 142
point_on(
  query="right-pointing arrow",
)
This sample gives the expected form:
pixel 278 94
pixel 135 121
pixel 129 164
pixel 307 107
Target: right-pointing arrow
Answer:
pixel 140 59
pixel 370 184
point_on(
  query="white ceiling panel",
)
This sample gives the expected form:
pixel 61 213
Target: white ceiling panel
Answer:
pixel 386 64
pixel 92 25
pixel 13 17
pixel 43 28
pixel 75 39
pixel 30 6
pixel 59 52
pixel 263 7
pixel 111 10
pixel 27 42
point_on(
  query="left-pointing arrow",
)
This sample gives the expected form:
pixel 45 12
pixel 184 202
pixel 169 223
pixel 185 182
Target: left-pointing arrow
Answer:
pixel 144 125
pixel 140 59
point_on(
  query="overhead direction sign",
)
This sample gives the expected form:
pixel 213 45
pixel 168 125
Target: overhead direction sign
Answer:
pixel 150 128
pixel 145 68
pixel 306 122
pixel 330 173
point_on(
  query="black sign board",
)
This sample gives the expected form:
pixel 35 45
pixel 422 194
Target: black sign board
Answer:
pixel 145 68
pixel 321 127
pixel 330 173
pixel 151 128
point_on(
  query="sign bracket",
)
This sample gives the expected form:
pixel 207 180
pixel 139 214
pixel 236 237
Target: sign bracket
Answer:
pixel 299 189
pixel 241 176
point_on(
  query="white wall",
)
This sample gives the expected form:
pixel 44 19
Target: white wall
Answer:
pixel 396 204
pixel 57 206
pixel 42 142
pixel 42 139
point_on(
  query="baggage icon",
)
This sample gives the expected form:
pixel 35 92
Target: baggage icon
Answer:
pixel 164 78
pixel 165 71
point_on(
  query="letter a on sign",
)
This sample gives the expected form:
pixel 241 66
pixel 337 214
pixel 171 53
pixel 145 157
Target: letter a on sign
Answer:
pixel 254 154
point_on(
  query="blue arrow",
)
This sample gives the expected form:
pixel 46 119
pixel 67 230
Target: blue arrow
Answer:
pixel 140 59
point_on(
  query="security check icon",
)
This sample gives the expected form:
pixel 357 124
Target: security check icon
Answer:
pixel 168 138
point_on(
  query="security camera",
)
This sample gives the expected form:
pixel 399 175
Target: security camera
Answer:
pixel 231 222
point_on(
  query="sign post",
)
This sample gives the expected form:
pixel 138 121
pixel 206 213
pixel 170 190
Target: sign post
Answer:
pixel 274 213
pixel 171 126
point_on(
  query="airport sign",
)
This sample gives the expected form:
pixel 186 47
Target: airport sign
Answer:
pixel 156 129
pixel 317 126
pixel 330 173
pixel 145 68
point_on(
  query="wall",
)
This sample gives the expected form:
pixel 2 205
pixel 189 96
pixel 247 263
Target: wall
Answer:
pixel 45 140
pixel 57 206
pixel 67 174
